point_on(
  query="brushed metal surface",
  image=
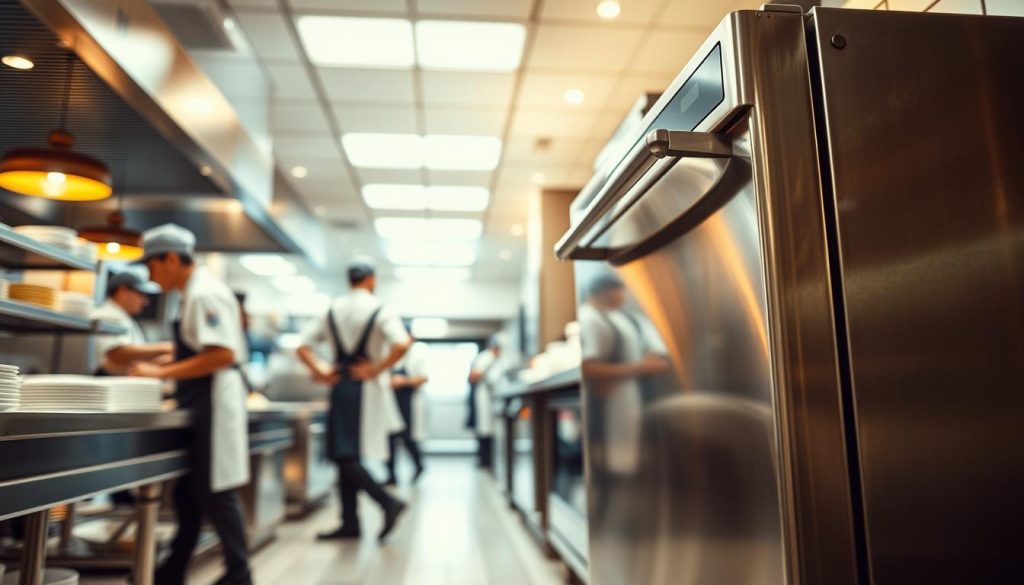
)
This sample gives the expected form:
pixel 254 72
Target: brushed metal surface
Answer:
pixel 738 291
pixel 926 130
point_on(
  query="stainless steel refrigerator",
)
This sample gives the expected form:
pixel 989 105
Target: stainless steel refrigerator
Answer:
pixel 802 309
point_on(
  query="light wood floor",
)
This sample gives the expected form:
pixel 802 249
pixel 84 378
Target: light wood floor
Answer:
pixel 458 531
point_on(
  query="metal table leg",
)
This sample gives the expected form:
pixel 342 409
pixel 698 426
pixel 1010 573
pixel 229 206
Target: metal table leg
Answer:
pixel 33 554
pixel 147 506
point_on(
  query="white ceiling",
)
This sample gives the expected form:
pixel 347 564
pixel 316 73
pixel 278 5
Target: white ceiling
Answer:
pixel 567 47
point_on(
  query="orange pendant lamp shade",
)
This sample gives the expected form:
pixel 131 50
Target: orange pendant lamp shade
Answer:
pixel 56 172
pixel 116 242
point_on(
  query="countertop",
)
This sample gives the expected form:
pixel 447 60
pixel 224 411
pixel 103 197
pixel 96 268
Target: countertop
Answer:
pixel 559 381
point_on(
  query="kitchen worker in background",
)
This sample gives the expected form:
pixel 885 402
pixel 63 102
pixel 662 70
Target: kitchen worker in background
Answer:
pixel 208 347
pixel 408 380
pixel 126 299
pixel 366 339
pixel 484 375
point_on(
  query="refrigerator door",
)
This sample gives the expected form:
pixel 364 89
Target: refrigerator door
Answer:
pixel 714 443
pixel 926 132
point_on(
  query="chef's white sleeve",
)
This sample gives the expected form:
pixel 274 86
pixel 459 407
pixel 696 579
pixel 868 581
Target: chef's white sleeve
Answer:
pixel 214 323
pixel 391 326
pixel 596 337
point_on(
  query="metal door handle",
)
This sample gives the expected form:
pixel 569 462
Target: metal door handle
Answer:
pixel 657 145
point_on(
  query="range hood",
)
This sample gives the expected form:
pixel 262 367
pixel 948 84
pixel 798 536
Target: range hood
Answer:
pixel 177 148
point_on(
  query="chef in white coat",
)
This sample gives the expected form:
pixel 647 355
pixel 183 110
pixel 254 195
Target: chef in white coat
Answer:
pixel 126 299
pixel 209 346
pixel 365 339
pixel 408 380
pixel 485 374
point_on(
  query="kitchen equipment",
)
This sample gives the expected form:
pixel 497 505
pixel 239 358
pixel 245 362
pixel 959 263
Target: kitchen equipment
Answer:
pixel 820 231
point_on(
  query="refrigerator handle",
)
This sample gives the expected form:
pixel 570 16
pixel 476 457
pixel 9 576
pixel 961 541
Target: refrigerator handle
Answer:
pixel 657 145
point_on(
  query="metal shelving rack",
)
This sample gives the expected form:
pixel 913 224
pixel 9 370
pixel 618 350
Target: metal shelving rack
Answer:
pixel 18 252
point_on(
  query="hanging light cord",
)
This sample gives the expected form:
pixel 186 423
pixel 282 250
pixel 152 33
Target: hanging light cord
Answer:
pixel 67 92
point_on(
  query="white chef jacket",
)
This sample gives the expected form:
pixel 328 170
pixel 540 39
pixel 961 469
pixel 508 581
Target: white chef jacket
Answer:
pixel 493 369
pixel 623 406
pixel 380 415
pixel 416 363
pixel 211 317
pixel 112 312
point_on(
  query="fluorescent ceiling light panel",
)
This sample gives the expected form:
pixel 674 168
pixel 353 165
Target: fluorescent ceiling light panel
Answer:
pixel 414 228
pixel 421 253
pixel 397 197
pixel 340 41
pixel 384 151
pixel 266 264
pixel 461 153
pixel 452 198
pixel 428 327
pixel 475 46
pixel 432 274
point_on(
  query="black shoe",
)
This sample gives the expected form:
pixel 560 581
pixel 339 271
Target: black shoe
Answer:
pixel 342 533
pixel 391 515
pixel 391 482
pixel 419 472
pixel 225 580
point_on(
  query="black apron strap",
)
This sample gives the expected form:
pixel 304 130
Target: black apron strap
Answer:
pixel 340 355
pixel 365 337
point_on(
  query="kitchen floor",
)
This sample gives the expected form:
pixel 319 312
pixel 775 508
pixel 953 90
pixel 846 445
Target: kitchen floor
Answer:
pixel 458 531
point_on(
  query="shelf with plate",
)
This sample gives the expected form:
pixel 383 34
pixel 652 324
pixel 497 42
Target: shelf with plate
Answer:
pixel 16 317
pixel 20 252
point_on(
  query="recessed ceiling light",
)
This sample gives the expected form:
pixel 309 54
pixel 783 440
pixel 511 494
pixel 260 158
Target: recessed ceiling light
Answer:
pixel 574 97
pixel 339 41
pixel 206 170
pixel 267 264
pixel 505 254
pixel 300 172
pixel 415 228
pixel 384 151
pixel 405 197
pixel 461 153
pixel 479 46
pixel 229 24
pixel 517 230
pixel 433 273
pixel 17 62
pixel 421 253
pixel 538 178
pixel 608 9
pixel 452 198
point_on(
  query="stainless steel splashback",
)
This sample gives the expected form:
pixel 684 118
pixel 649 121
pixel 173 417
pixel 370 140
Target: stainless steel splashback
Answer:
pixel 925 128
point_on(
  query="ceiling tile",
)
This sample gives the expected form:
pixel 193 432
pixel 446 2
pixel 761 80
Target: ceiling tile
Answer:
pixel 394 176
pixel 701 13
pixel 391 120
pixel 327 191
pixel 473 121
pixel 667 51
pixel 633 11
pixel 559 124
pixel 318 170
pixel 290 82
pixel 297 117
pixel 521 177
pixel 368 85
pixel 461 178
pixel 583 48
pixel 519 9
pixel 395 6
pixel 304 145
pixel 481 89
pixel 268 34
pixel 548 89
pixel 237 81
pixel 521 151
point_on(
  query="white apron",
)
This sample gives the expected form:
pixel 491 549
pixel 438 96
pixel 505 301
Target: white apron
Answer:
pixel 230 457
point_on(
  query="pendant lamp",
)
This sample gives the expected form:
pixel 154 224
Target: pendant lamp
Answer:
pixel 116 242
pixel 56 172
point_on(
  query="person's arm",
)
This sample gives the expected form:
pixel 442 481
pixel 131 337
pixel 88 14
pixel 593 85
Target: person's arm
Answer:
pixel 208 361
pixel 368 370
pixel 476 375
pixel 126 354
pixel 322 373
pixel 601 370
pixel 416 381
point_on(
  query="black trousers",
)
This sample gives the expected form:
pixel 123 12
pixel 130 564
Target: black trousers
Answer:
pixel 193 501
pixel 353 477
pixel 485 452
pixel 404 398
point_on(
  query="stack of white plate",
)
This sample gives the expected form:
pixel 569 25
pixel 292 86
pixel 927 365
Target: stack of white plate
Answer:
pixel 5 286
pixel 75 304
pixel 50 577
pixel 33 294
pixel 65 394
pixel 10 388
pixel 135 394
pixel 61 237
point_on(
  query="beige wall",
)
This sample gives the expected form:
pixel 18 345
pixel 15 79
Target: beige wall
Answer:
pixel 548 293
